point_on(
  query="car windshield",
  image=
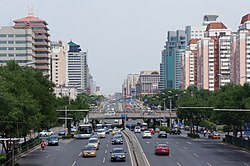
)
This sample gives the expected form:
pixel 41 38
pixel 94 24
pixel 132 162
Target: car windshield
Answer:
pixel 89 148
pixel 163 132
pixel 117 136
pixel 93 141
pixel 53 138
pixel 118 151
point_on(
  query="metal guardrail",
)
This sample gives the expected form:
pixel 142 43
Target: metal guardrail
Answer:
pixel 138 153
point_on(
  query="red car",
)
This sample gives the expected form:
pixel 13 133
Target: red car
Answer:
pixel 162 149
pixel 151 131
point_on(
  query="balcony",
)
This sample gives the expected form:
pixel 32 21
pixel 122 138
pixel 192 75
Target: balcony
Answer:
pixel 42 49
pixel 42 44
pixel 42 62
pixel 41 55
pixel 42 67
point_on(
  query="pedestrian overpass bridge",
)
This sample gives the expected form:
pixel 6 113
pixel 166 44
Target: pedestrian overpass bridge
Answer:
pixel 134 115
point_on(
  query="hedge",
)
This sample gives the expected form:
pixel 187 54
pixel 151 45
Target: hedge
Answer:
pixel 192 135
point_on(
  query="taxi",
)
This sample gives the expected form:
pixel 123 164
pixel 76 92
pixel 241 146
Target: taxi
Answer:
pixel 89 151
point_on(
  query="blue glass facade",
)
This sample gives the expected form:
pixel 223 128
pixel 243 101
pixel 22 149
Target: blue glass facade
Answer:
pixel 171 59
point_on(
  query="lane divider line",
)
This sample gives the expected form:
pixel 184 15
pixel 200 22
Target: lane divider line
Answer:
pixel 80 154
pixel 177 142
pixel 185 147
pixel 106 151
pixel 196 155
pixel 178 164
pixel 48 156
pixel 189 143
pixel 74 163
pixel 209 164
pixel 103 160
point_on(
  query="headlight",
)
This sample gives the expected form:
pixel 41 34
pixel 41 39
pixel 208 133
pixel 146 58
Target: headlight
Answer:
pixel 112 156
pixel 123 156
pixel 93 153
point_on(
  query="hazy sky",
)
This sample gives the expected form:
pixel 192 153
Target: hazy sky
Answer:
pixel 122 36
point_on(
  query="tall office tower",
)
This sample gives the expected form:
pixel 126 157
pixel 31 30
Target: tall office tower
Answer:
pixel 77 68
pixel 213 57
pixel 171 60
pixel 59 63
pixel 148 83
pixel 18 45
pixel 242 52
pixel 39 28
pixel 189 64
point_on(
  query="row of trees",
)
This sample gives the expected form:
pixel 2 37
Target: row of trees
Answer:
pixel 197 106
pixel 28 102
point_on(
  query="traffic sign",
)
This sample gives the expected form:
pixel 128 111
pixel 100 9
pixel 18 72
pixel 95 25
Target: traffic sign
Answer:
pixel 123 116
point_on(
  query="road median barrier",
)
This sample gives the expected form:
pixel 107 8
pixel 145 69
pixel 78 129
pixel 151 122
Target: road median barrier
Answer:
pixel 137 152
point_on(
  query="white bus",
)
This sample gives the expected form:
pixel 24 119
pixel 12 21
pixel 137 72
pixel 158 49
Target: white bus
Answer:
pixel 84 131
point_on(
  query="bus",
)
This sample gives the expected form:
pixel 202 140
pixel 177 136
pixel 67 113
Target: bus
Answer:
pixel 84 131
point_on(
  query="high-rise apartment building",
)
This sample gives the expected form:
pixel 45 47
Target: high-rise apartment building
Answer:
pixel 197 31
pixel 213 57
pixel 170 66
pixel 241 56
pixel 78 75
pixel 40 29
pixel 18 45
pixel 189 64
pixel 59 63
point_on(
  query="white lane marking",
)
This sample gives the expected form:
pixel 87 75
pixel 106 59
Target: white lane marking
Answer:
pixel 80 154
pixel 209 164
pixel 148 142
pixel 103 160
pixel 57 149
pixel 167 143
pixel 177 142
pixel 185 147
pixel 196 155
pixel 157 142
pixel 106 151
pixel 48 156
pixel 246 164
pixel 153 138
pixel 108 140
pixel 178 164
pixel 189 143
pixel 74 163
pixel 107 145
pixel 170 155
pixel 132 163
pixel 69 141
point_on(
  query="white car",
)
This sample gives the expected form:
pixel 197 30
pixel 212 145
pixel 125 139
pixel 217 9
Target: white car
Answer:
pixel 146 134
pixel 137 129
pixel 101 133
pixel 45 133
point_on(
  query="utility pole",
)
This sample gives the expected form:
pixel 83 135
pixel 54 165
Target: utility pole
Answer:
pixel 170 110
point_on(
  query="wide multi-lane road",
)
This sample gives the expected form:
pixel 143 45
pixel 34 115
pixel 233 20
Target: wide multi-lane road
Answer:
pixel 68 153
pixel 188 152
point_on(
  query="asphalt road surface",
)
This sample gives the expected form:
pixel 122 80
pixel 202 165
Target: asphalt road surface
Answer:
pixel 68 153
pixel 194 152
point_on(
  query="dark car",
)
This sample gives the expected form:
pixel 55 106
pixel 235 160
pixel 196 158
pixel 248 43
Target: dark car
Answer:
pixel 117 139
pixel 175 131
pixel 162 134
pixel 118 154
pixel 53 140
